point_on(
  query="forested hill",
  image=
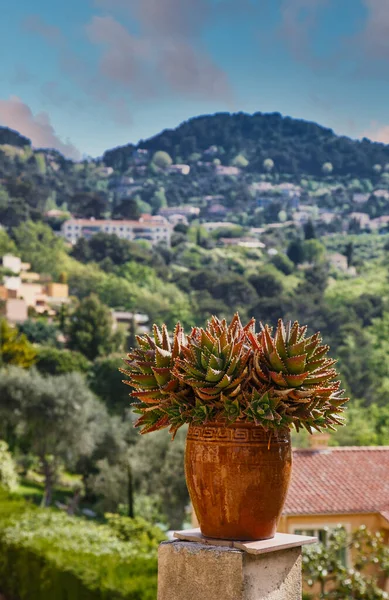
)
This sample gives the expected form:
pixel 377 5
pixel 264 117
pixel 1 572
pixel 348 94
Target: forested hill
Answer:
pixel 296 146
pixel 13 138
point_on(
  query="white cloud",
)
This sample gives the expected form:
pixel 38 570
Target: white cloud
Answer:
pixel 15 114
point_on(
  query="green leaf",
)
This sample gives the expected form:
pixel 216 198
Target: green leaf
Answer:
pixel 162 357
pixel 296 364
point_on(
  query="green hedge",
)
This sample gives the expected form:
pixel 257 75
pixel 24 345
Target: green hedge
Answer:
pixel 47 555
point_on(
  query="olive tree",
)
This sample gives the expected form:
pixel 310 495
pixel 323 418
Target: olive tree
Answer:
pixel 49 417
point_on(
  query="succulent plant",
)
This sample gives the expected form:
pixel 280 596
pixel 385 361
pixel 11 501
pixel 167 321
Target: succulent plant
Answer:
pixel 299 376
pixel 228 372
pixel 150 372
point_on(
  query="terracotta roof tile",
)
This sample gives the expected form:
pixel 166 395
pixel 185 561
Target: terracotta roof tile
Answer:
pixel 339 480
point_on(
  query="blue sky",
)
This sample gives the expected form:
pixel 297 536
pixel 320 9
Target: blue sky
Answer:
pixel 87 75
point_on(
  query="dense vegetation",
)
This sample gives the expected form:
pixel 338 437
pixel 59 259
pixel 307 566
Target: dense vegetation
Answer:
pixel 297 147
pixel 49 555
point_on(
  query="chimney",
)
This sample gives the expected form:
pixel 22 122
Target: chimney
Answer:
pixel 319 441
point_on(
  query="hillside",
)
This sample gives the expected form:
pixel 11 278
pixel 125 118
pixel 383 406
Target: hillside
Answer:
pixel 296 146
pixel 248 169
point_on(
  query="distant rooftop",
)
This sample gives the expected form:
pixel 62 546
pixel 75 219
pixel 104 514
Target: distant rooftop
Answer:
pixel 339 480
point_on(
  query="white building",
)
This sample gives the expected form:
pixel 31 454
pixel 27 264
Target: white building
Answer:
pixel 211 226
pixel 185 211
pixel 12 263
pixel 227 171
pixel 179 169
pixel 151 229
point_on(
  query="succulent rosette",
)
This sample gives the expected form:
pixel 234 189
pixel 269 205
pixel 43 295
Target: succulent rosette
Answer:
pixel 299 378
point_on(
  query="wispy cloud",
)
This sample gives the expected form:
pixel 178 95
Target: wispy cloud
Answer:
pixel 14 113
pixel 299 19
pixel 35 24
pixel 162 55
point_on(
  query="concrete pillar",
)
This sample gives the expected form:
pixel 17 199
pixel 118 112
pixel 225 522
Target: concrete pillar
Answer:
pixel 197 568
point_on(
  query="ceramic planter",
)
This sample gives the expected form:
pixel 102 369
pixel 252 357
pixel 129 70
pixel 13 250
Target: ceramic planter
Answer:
pixel 238 477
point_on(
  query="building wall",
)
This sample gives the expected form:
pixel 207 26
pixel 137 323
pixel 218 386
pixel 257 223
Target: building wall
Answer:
pixel 372 521
pixel 16 310
pixel 13 263
pixel 351 521
pixel 153 232
pixel 29 292
pixel 57 290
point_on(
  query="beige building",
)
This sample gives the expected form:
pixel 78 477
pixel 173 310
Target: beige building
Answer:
pixel 152 229
pixel 16 310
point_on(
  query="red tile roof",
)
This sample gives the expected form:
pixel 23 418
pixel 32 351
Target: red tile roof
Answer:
pixel 339 480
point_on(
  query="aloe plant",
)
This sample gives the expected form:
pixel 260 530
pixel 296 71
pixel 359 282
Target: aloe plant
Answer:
pixel 229 372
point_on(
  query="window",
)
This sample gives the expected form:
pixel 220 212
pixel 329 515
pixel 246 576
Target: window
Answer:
pixel 323 536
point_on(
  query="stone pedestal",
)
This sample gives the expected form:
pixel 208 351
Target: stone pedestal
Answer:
pixel 197 568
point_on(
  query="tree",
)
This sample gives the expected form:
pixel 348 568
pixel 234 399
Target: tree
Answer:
pixel 240 161
pixel 377 169
pixel 313 250
pixel 282 263
pixel 56 361
pixel 56 415
pixel 309 230
pixel 127 209
pixel 295 252
pixel 158 200
pixel 7 246
pixel 90 330
pixel 267 284
pixel 327 168
pixel 15 349
pixel 105 245
pixel 89 204
pixel 8 472
pixel 268 165
pixel 39 246
pixel 39 332
pixel 158 469
pixel 162 159
pixel 106 381
pixel 349 253
pixel 324 565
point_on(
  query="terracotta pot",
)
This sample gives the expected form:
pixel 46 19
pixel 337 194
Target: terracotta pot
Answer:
pixel 238 477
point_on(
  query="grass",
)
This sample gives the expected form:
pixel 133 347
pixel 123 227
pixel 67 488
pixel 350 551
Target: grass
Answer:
pixel 31 488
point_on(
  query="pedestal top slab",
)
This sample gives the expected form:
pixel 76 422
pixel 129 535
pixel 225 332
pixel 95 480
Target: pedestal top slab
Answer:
pixel 281 541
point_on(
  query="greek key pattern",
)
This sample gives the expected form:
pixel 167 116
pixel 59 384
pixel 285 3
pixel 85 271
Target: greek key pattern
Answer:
pixel 233 435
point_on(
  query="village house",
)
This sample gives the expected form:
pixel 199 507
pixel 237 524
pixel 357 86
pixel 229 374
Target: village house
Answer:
pixel 151 229
pixel 227 171
pixel 362 218
pixel 360 198
pixel 179 169
pixel 24 289
pixel 379 223
pixel 185 211
pixel 331 486
pixel 243 242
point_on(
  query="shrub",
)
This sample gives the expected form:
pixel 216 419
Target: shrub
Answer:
pixel 55 361
pixel 46 555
